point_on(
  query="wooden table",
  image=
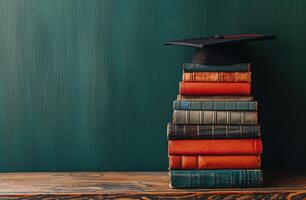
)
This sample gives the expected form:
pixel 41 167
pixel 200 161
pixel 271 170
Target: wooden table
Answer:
pixel 138 185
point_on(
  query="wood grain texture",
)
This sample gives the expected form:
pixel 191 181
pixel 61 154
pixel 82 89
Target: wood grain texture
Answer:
pixel 139 185
pixel 88 85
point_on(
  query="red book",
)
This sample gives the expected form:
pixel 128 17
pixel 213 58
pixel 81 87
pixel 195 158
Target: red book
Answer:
pixel 199 88
pixel 215 147
pixel 214 162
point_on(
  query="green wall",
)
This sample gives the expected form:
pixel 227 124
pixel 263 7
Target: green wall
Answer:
pixel 87 84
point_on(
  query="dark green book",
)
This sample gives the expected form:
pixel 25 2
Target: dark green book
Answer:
pixel 215 105
pixel 211 131
pixel 216 178
pixel 190 67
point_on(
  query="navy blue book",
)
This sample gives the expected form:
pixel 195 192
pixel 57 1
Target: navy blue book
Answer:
pixel 216 178
pixel 215 105
pixel 242 67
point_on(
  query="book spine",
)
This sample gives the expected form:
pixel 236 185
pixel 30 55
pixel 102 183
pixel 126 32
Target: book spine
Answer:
pixel 199 88
pixel 178 131
pixel 214 98
pixel 215 178
pixel 190 67
pixel 214 105
pixel 214 117
pixel 217 77
pixel 215 147
pixel 188 162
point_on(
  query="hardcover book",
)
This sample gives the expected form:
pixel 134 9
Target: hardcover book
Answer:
pixel 188 131
pixel 215 105
pixel 214 117
pixel 239 77
pixel 216 178
pixel 199 88
pixel 214 162
pixel 215 147
pixel 192 67
pixel 214 98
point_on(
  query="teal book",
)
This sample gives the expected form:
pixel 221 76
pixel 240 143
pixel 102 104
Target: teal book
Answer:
pixel 216 178
pixel 215 105
pixel 242 67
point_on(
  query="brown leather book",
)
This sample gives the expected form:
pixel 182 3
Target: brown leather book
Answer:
pixel 214 162
pixel 215 147
pixel 242 77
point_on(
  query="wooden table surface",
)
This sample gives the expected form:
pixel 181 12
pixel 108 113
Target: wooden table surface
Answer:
pixel 138 185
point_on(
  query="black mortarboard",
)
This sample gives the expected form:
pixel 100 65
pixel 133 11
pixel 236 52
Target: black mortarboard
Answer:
pixel 221 49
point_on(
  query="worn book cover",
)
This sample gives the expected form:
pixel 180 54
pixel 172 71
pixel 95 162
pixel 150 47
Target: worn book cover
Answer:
pixel 199 88
pixel 239 77
pixel 216 178
pixel 214 117
pixel 211 131
pixel 214 161
pixel 192 67
pixel 215 105
pixel 215 147
pixel 214 98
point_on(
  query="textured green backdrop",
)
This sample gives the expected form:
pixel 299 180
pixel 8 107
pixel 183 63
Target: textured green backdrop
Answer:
pixel 88 85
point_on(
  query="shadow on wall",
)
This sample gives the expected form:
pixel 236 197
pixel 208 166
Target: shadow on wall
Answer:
pixel 281 93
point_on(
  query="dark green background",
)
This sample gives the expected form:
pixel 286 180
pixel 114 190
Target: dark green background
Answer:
pixel 88 85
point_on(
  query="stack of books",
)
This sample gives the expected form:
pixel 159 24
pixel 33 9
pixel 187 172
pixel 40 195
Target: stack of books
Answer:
pixel 214 137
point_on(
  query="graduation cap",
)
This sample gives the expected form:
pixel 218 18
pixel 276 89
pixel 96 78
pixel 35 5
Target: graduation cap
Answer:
pixel 221 49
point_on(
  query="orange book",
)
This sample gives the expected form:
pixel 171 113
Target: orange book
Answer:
pixel 215 147
pixel 217 77
pixel 199 88
pixel 214 162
